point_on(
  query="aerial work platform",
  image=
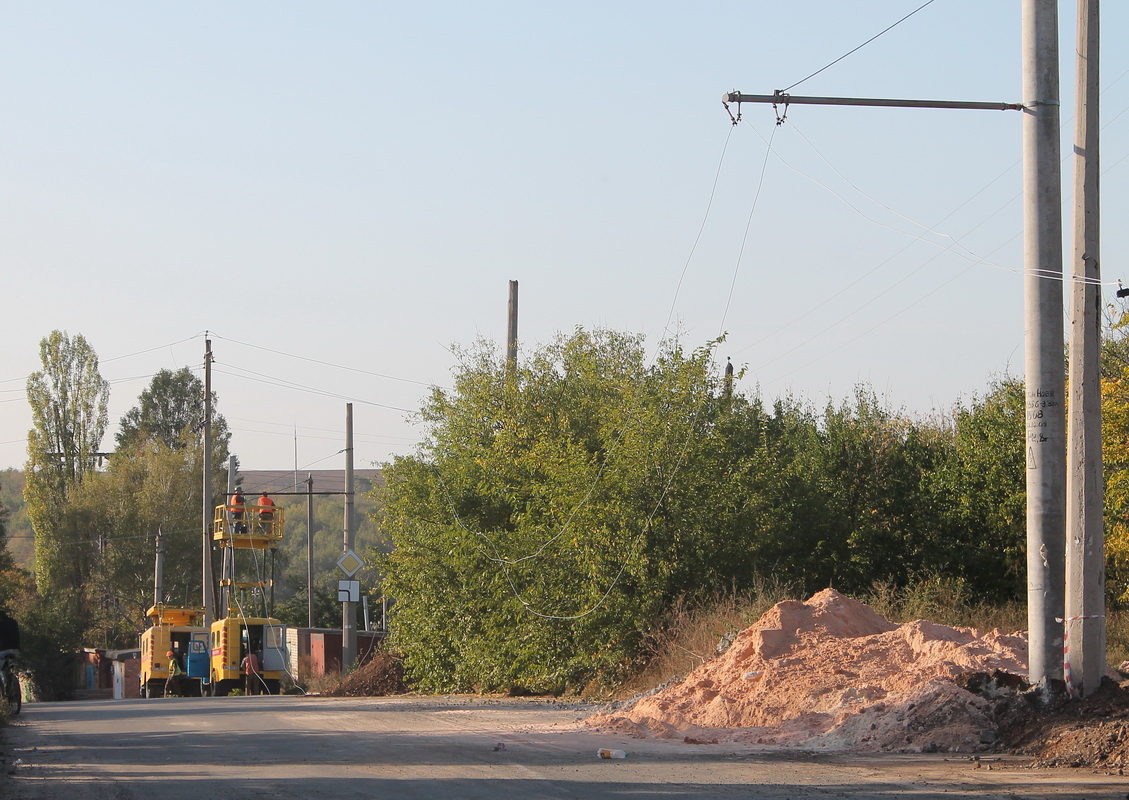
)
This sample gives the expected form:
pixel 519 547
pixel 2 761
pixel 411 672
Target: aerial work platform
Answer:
pixel 259 527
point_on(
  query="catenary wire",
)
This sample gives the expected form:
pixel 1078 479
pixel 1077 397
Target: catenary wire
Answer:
pixel 864 44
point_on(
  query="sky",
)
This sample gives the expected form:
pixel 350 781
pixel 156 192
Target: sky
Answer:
pixel 337 194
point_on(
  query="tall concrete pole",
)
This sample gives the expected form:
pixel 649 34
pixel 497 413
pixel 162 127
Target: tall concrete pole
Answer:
pixel 227 564
pixel 159 571
pixel 310 546
pixel 1085 540
pixel 348 609
pixel 207 580
pixel 511 327
pixel 1046 419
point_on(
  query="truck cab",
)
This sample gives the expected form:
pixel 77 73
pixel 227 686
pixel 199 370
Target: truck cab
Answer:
pixel 180 630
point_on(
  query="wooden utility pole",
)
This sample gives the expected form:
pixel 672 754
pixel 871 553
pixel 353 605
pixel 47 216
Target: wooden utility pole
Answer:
pixel 1044 380
pixel 207 601
pixel 1085 644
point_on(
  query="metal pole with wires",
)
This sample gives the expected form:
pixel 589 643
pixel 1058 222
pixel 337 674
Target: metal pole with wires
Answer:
pixel 310 547
pixel 207 580
pixel 348 607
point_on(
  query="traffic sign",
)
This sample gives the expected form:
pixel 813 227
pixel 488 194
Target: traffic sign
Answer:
pixel 350 563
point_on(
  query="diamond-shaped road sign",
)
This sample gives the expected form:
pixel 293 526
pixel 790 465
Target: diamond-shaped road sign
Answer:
pixel 350 563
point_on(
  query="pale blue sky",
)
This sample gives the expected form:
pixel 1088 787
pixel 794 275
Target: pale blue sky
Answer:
pixel 356 183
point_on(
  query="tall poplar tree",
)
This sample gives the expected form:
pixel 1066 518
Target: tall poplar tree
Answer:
pixel 69 401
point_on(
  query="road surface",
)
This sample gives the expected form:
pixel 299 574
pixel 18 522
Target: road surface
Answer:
pixel 456 747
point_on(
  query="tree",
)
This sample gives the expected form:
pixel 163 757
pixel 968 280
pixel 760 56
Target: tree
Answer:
pixel 553 513
pixel 171 411
pixel 152 482
pixel 68 400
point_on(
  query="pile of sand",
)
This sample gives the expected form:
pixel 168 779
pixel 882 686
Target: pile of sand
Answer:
pixel 381 675
pixel 830 673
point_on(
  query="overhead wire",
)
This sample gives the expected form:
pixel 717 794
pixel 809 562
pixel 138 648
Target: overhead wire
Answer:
pixel 979 260
pixel 855 50
pixel 748 226
pixel 1045 274
pixel 258 377
pixel 701 228
pixel 506 563
pixel 326 363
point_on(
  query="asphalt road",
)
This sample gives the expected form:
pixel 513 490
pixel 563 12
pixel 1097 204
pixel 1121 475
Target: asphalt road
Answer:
pixel 457 747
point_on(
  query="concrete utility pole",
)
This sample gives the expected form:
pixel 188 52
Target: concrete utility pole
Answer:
pixel 1084 648
pixel 227 561
pixel 348 608
pixel 159 570
pixel 511 328
pixel 1044 381
pixel 206 549
pixel 310 546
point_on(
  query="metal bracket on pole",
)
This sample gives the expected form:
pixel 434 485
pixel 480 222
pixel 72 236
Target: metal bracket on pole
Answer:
pixel 779 97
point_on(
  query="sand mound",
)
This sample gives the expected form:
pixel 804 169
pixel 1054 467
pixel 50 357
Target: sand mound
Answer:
pixel 831 673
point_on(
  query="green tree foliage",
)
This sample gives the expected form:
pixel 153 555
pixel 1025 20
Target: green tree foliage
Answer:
pixel 295 609
pixel 20 539
pixel 327 541
pixel 171 412
pixel 7 563
pixel 104 529
pixel 68 400
pixel 549 520
pixel 1115 457
pixel 113 519
pixel 558 509
pixel 980 497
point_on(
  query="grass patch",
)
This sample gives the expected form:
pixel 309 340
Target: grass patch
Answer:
pixel 692 634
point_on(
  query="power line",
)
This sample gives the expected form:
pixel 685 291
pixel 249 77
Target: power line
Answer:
pixel 702 227
pixel 864 44
pixel 284 384
pixel 748 225
pixel 325 363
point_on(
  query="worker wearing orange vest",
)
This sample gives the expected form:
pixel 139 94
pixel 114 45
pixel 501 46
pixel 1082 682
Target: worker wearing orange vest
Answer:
pixel 266 506
pixel 266 511
pixel 237 504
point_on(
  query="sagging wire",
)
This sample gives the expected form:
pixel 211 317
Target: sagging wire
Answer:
pixel 495 556
pixel 745 236
pixel 702 227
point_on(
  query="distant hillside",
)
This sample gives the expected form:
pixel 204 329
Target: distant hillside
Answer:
pixel 21 541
